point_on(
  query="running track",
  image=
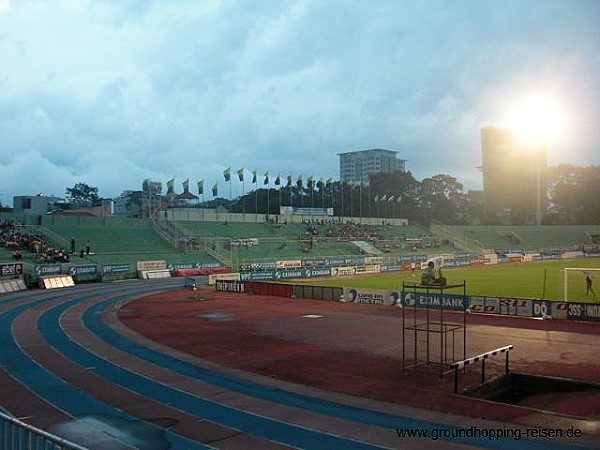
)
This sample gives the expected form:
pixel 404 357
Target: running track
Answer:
pixel 68 367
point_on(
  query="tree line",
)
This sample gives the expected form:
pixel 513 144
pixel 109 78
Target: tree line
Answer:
pixel 573 194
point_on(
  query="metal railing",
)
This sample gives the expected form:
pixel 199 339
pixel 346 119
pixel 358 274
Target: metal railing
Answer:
pixel 17 435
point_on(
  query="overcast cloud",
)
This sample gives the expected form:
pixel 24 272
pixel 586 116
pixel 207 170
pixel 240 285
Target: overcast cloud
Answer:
pixel 112 92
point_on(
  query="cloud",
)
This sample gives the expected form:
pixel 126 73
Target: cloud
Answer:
pixel 123 91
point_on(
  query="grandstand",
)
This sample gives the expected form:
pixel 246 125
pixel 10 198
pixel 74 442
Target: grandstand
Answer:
pixel 232 243
pixel 524 238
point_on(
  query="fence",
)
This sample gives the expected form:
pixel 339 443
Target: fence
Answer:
pixel 17 435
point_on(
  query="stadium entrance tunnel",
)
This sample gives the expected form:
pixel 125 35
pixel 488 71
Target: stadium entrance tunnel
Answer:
pixel 554 395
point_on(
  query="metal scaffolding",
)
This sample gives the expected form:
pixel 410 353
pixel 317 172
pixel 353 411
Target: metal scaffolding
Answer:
pixel 441 340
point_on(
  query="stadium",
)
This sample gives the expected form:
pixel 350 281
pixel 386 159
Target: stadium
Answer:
pixel 243 331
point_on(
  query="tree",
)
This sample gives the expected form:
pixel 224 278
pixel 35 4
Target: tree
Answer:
pixel 443 198
pixel 82 193
pixel 574 193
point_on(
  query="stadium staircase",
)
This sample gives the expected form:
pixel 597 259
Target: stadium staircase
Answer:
pixel 458 239
pixel 367 248
pixel 175 235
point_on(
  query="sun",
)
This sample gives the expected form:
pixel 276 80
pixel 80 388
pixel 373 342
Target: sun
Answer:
pixel 536 120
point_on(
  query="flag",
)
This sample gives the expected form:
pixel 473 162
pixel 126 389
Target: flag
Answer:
pixel 391 199
pixel 241 174
pixel 215 190
pixel 299 182
pixel 309 184
pixel 289 180
pixel 170 185
pixel 384 198
pixel 227 174
pixel 254 176
pixel 376 198
pixel 266 177
pixel 186 186
pixel 399 199
pixel 201 187
pixel 278 180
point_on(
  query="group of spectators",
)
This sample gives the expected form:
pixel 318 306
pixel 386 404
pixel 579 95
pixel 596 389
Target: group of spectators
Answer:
pixel 17 239
pixel 343 231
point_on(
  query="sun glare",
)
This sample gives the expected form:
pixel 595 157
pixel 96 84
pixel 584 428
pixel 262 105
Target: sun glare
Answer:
pixel 537 120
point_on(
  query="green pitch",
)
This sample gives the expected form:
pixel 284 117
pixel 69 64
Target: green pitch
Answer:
pixel 524 280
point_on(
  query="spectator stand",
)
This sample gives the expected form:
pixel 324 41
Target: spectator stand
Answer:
pixel 436 342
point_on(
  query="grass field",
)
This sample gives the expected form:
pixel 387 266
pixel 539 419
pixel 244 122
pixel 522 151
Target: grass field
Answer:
pixel 524 280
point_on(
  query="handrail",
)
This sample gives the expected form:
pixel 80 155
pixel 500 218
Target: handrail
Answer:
pixel 16 435
pixel 482 357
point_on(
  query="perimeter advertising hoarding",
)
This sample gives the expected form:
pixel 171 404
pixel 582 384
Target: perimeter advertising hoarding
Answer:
pixel 371 296
pixel 298 211
pixel 498 305
pixel 229 286
pixel 11 269
pixel 590 312
pixel 47 269
pixel 265 275
pixel 151 265
pixel 113 269
pixel 214 278
pixel 288 264
pixel 86 269
pixel 453 302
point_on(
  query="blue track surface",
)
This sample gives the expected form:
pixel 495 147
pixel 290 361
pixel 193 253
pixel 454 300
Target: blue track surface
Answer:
pixel 77 404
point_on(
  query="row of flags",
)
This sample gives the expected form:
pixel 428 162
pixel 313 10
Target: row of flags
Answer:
pixel 227 175
pixel 278 179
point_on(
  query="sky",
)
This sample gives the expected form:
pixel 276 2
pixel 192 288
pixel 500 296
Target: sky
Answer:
pixel 112 92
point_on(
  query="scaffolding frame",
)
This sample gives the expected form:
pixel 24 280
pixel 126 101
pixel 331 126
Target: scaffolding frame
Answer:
pixel 432 327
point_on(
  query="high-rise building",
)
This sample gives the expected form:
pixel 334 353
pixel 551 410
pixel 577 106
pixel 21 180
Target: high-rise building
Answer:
pixel 357 166
pixel 514 177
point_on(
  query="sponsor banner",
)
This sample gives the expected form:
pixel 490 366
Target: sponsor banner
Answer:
pixel 516 306
pixel 298 211
pixel 371 296
pixel 560 310
pixel 393 268
pixel 477 262
pixel 229 286
pixel 182 266
pixel 572 255
pixel 346 262
pixel 316 262
pixel 11 269
pixel 208 265
pixel 87 269
pixel 324 272
pixel 113 269
pixel 250 242
pixel 257 266
pixel 589 312
pixel 258 276
pixel 434 300
pixel 151 265
pixel 285 274
pixel 486 305
pixel 288 264
pixel 541 308
pixel 342 271
pixel 490 258
pixel 369 268
pixel 212 279
pixel 373 260
pixel 47 269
